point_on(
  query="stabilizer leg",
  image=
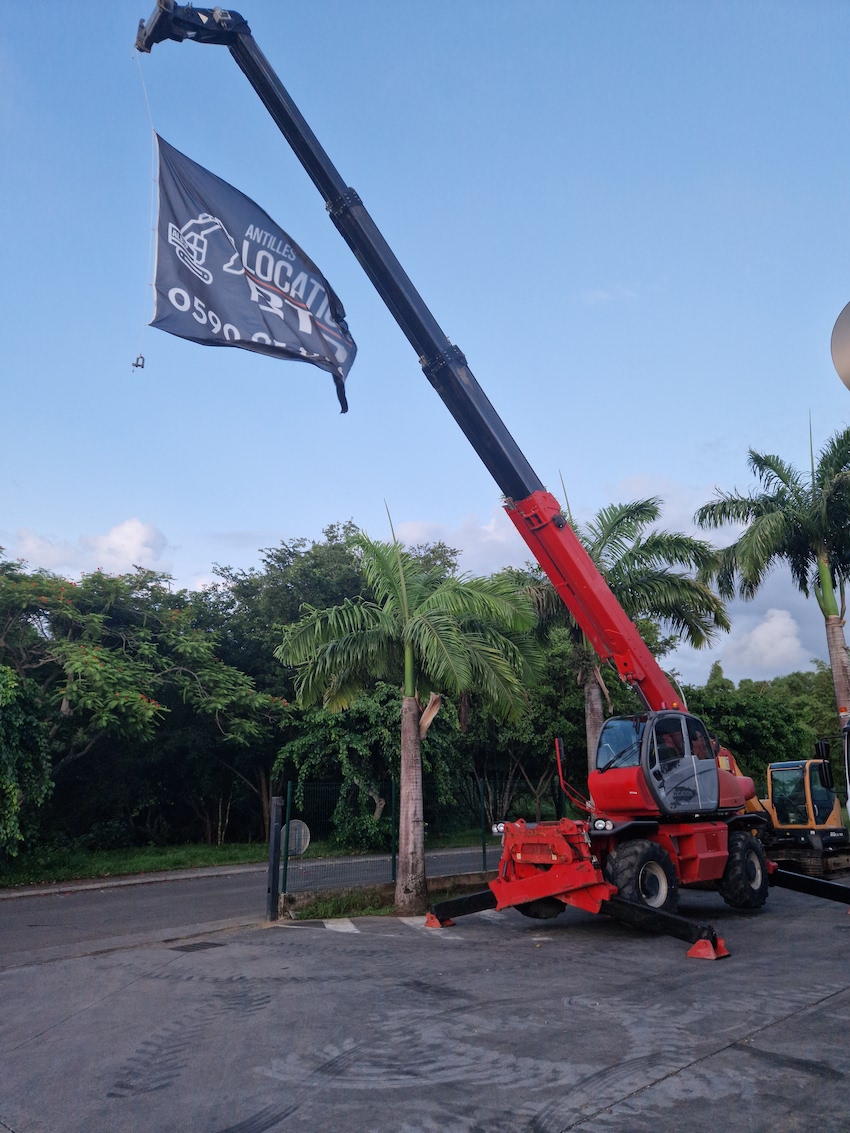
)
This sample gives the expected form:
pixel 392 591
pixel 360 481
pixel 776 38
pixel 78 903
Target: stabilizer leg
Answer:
pixel 440 915
pixel 815 886
pixel 707 945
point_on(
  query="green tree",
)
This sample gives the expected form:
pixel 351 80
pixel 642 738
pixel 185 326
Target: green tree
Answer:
pixel 24 760
pixel 360 747
pixel 752 720
pixel 247 609
pixel 432 634
pixel 802 521
pixel 112 657
pixel 656 576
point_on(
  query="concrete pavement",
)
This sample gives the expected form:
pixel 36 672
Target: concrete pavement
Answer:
pixel 500 1024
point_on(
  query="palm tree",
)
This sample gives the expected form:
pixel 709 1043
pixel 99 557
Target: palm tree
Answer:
pixel 803 521
pixel 640 569
pixel 433 634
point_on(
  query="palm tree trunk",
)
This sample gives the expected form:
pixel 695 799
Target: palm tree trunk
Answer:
pixel 411 891
pixel 594 715
pixel 838 663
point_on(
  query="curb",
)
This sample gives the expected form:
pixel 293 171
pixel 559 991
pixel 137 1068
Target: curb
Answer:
pixel 53 887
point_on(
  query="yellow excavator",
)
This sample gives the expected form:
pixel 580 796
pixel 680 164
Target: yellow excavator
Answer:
pixel 804 831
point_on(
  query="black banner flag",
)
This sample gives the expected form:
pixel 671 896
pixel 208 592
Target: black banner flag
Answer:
pixel 227 275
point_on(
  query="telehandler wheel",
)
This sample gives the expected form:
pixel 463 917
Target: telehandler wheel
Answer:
pixel 643 873
pixel 744 883
pixel 543 909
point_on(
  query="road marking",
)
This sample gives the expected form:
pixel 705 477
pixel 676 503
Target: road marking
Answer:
pixel 341 924
pixel 413 922
pixel 419 924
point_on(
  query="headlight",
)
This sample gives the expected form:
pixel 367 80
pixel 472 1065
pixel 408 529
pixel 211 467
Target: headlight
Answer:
pixel 599 824
pixel 498 827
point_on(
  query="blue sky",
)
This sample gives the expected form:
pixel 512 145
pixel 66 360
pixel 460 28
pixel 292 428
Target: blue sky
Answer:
pixel 631 217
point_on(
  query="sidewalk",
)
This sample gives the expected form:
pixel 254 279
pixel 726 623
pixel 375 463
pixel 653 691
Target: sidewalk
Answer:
pixel 51 887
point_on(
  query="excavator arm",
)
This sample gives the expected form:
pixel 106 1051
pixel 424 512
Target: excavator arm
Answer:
pixel 535 512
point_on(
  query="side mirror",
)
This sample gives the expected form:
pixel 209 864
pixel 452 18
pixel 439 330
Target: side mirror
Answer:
pixel 822 749
pixel 826 774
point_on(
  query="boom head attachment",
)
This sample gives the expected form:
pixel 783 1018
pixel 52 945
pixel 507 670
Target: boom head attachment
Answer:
pixel 179 22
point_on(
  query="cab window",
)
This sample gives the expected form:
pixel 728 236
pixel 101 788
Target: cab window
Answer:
pixel 619 742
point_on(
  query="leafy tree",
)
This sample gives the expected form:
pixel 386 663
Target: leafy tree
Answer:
pixel 247 609
pixel 360 748
pixel 112 657
pixel 24 762
pixel 752 720
pixel 429 632
pixel 656 576
pixel 802 521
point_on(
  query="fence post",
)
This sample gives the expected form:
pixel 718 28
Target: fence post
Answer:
pixel 286 837
pixel 273 889
pixel 393 836
pixel 483 826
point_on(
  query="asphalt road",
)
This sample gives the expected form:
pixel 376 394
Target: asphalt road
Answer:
pixel 498 1025
pixel 60 916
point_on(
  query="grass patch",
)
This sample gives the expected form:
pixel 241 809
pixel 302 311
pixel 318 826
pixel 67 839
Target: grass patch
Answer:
pixel 371 902
pixel 357 903
pixel 72 864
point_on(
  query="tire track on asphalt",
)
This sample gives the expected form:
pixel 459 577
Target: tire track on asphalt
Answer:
pixel 543 1120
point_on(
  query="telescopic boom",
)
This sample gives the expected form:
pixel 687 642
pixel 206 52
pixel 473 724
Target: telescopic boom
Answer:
pixel 534 512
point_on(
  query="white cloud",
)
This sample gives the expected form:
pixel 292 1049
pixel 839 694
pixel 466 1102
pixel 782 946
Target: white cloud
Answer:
pixel 128 544
pixel 761 645
pixel 485 546
pixel 770 648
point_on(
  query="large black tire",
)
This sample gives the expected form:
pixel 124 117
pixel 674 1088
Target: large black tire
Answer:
pixel 543 909
pixel 644 874
pixel 744 883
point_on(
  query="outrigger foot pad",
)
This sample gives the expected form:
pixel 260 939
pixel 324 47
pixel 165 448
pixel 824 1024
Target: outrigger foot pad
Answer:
pixel 432 921
pixel 705 950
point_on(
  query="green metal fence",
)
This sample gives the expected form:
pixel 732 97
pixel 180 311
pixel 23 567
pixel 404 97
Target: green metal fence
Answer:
pixel 332 836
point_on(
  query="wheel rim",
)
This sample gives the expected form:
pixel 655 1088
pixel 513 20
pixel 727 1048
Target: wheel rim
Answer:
pixel 653 885
pixel 753 870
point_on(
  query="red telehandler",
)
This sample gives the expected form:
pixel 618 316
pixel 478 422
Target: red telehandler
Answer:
pixel 663 814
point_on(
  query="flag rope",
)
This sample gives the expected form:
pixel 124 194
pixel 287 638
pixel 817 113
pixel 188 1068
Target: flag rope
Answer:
pixel 140 358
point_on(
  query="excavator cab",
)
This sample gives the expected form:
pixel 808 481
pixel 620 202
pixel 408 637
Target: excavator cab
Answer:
pixel 800 792
pixel 659 763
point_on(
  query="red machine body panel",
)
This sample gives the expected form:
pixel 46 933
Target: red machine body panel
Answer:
pixel 621 793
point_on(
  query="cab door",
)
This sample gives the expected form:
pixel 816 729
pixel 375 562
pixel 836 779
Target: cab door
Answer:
pixel 680 764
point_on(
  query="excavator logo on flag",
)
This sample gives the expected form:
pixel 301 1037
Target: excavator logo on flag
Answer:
pixel 191 245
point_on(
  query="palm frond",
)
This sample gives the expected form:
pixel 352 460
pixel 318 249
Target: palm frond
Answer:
pixel 440 649
pixel 613 527
pixel 763 542
pixel 728 507
pixel 774 472
pixel 833 459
